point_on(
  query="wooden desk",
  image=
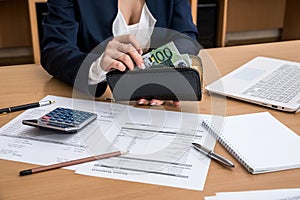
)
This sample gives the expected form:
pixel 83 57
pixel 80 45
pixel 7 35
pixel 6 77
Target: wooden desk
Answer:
pixel 30 83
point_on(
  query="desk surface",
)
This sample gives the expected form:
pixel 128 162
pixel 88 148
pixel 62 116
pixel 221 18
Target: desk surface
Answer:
pixel 28 83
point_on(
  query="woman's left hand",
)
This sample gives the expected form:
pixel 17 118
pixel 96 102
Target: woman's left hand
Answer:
pixel 156 102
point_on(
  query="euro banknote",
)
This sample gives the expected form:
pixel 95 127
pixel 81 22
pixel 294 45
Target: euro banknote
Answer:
pixel 166 55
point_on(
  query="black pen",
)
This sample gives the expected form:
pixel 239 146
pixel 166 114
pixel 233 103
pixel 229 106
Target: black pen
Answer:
pixel 213 155
pixel 25 107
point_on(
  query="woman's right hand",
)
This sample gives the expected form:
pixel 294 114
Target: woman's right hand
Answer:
pixel 125 52
pixel 122 52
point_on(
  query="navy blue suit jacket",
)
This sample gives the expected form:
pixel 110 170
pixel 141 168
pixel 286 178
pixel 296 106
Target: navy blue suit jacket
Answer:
pixel 73 28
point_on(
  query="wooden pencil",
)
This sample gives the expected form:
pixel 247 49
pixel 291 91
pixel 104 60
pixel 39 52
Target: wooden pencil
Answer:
pixel 69 163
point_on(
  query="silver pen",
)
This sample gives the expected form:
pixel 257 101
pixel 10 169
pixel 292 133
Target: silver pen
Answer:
pixel 213 155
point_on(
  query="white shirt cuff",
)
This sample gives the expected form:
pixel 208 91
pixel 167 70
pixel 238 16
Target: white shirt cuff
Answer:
pixel 96 73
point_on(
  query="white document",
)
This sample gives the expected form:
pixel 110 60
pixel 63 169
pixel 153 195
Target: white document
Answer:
pixel 211 198
pixel 158 143
pixel 159 149
pixel 279 194
pixel 28 144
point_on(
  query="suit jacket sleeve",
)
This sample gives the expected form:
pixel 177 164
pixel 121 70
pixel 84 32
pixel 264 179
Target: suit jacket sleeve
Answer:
pixel 61 56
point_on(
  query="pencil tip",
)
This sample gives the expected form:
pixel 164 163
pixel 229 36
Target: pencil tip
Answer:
pixel 123 152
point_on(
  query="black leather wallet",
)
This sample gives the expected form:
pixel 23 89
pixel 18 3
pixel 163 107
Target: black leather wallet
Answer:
pixel 165 83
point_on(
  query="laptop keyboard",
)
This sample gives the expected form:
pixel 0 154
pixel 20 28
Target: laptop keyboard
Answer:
pixel 282 85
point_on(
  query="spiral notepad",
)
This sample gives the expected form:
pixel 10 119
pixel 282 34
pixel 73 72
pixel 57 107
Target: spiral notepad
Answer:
pixel 259 142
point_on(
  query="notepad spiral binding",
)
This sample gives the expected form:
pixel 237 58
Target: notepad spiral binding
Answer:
pixel 227 145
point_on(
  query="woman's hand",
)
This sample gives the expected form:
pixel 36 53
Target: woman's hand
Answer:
pixel 125 52
pixel 122 52
pixel 156 102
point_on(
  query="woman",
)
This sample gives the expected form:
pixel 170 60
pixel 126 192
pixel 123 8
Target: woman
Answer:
pixel 73 28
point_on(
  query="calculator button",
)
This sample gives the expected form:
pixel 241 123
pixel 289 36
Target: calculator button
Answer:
pixel 64 117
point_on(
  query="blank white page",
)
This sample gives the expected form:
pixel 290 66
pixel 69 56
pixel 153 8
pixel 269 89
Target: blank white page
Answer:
pixel 262 141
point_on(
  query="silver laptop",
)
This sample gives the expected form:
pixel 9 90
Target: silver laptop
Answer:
pixel 265 81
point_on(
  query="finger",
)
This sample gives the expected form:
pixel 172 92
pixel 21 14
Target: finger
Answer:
pixel 176 103
pixel 143 102
pixel 124 53
pixel 110 63
pixel 156 102
pixel 134 55
pixel 127 61
pixel 130 39
pixel 117 51
pixel 117 65
pixel 137 58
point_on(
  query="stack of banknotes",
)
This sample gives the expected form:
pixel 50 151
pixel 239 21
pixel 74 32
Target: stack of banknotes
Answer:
pixel 166 55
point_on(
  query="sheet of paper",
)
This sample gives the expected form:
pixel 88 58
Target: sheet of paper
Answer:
pixel 278 194
pixel 159 149
pixel 157 141
pixel 33 145
pixel 210 198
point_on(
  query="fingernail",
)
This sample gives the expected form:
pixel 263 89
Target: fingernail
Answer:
pixel 140 51
pixel 142 66
pixel 153 104
pixel 141 102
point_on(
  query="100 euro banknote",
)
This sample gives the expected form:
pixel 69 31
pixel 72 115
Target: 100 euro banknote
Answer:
pixel 167 55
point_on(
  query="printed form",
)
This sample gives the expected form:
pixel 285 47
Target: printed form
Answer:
pixel 42 147
pixel 158 146
pixel 158 143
